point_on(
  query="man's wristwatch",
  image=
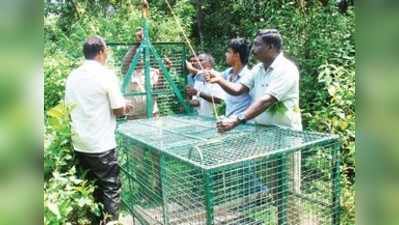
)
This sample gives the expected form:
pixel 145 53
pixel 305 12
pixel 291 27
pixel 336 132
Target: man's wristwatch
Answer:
pixel 241 118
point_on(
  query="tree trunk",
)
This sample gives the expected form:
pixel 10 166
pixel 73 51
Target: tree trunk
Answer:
pixel 200 22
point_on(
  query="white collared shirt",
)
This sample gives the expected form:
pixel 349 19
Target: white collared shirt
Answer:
pixel 281 80
pixel 205 108
pixel 93 91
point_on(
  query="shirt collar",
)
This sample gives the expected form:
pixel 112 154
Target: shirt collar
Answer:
pixel 242 71
pixel 276 62
pixel 92 62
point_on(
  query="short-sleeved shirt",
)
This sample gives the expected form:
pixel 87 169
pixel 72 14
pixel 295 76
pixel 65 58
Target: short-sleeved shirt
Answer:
pixel 236 104
pixel 93 91
pixel 206 108
pixel 281 80
pixel 190 79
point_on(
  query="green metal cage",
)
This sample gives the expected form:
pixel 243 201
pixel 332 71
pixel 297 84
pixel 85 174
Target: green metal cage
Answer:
pixel 152 86
pixel 179 170
pixel 166 94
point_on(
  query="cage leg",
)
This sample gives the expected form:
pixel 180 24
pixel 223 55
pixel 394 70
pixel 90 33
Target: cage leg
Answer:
pixel 209 203
pixel 282 180
pixel 162 176
pixel 295 205
pixel 336 207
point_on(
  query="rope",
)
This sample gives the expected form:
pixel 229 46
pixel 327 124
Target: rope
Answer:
pixel 192 51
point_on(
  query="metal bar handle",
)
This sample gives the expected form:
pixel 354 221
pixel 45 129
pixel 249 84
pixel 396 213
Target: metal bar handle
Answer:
pixel 199 153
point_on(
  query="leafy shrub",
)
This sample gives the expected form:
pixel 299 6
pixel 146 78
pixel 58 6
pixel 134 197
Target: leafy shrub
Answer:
pixel 68 198
pixel 58 152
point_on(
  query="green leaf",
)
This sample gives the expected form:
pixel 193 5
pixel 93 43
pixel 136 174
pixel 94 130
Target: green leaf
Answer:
pixel 277 108
pixel 331 90
pixel 54 209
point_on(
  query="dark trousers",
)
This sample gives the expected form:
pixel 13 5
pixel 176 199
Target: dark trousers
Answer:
pixel 104 169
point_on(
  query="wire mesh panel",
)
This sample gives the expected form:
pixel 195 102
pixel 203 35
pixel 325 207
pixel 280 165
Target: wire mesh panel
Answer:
pixel 179 170
pixel 167 77
pixel 160 189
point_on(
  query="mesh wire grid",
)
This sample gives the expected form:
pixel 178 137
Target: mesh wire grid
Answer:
pixel 163 94
pixel 195 139
pixel 251 175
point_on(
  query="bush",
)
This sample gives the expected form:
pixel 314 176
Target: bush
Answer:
pixel 75 203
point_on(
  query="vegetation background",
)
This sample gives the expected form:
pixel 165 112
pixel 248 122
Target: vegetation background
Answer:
pixel 318 36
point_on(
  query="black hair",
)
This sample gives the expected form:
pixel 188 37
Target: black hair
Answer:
pixel 93 46
pixel 242 46
pixel 271 37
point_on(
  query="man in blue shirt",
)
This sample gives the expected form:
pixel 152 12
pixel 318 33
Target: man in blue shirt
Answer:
pixel 237 57
pixel 191 75
pixel 204 95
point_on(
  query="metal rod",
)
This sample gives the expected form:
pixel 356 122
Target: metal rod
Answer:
pixel 147 72
pixel 166 74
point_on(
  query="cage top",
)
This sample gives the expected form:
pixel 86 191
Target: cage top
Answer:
pixel 194 139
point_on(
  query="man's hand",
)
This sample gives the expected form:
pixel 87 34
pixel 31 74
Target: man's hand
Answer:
pixel 128 107
pixel 227 124
pixel 190 90
pixel 191 68
pixel 139 35
pixel 145 4
pixel 195 103
pixel 123 111
pixel 212 76
pixel 168 63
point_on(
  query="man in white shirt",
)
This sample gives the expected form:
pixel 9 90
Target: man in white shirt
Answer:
pixel 95 98
pixel 274 83
pixel 205 95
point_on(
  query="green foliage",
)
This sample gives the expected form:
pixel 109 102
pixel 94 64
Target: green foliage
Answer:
pixel 58 152
pixel 65 35
pixel 75 203
pixel 277 108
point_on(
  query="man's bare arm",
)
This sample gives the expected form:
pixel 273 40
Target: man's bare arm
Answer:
pixel 259 106
pixel 209 98
pixel 128 58
pixel 119 112
pixel 229 87
pixel 253 111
